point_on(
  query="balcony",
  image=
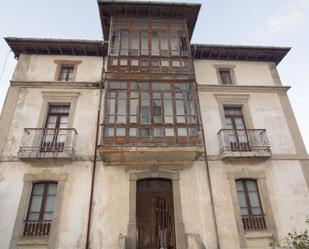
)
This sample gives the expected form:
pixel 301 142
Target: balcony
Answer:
pixel 38 143
pixel 150 149
pixel 36 228
pixel 248 143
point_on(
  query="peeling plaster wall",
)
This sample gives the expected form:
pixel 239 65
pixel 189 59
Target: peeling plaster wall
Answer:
pixel 285 180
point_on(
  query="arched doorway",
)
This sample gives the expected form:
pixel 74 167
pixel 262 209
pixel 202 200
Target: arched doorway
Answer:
pixel 155 214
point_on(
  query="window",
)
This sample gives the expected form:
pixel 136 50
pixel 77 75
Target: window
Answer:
pixel 236 128
pixel 41 209
pixel 66 72
pixel 145 109
pixel 55 131
pixel 225 76
pixel 250 205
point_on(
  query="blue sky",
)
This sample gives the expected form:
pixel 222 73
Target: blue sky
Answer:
pixel 254 22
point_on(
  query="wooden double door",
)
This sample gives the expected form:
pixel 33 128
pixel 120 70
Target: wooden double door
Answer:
pixel 155 214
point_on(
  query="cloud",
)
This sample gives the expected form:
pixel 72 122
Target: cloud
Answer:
pixel 287 19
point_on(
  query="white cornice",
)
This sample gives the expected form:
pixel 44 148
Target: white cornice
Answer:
pixel 243 88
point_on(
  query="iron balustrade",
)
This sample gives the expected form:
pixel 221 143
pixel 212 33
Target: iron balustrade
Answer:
pixel 48 142
pixel 254 222
pixel 37 228
pixel 243 140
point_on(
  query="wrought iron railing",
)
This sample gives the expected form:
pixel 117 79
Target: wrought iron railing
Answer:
pixel 254 222
pixel 243 140
pixel 36 228
pixel 45 142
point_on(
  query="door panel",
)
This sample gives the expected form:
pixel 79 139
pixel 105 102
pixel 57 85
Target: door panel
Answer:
pixel 155 214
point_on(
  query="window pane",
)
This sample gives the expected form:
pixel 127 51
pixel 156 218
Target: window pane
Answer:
pixel 183 43
pixel 225 76
pixel 169 132
pixel 36 203
pixel 256 211
pixel 242 199
pixel 193 132
pixel 155 43
pixel 251 185
pixel 145 132
pixel 117 85
pixel 52 188
pixel 164 44
pixel 38 188
pixel 135 40
pixel 240 185
pixel 124 43
pixel 244 211
pixel 120 132
pixel 182 132
pixel 159 23
pixel 109 132
pixel 174 44
pixel 115 43
pixel 158 132
pixel 254 199
pixel 133 132
pixel 34 216
pixel 48 216
pixel 144 43
pixel 49 204
pixel 145 108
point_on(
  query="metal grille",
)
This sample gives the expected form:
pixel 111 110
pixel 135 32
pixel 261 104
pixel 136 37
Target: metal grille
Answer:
pixel 155 215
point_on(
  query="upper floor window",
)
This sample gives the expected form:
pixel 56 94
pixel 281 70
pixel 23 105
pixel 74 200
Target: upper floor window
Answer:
pixel 66 72
pixel 250 205
pixel 236 128
pixel 149 37
pixel 150 109
pixel 225 76
pixel 41 209
pixel 56 124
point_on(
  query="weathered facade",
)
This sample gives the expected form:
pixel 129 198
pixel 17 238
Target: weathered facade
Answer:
pixel 144 140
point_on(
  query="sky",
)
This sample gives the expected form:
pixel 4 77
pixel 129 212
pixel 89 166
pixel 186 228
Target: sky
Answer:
pixel 237 22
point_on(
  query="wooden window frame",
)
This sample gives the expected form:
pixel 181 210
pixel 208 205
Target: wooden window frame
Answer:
pixel 252 222
pixel 158 56
pixel 43 203
pixel 239 146
pixel 60 64
pixel 192 128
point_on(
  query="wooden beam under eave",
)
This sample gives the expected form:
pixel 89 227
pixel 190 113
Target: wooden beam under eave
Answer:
pixel 60 49
pixel 48 50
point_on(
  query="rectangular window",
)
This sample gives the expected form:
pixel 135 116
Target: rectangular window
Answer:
pixel 225 77
pixel 66 72
pixel 135 43
pixel 251 210
pixel 55 132
pixel 236 128
pixel 150 109
pixel 41 209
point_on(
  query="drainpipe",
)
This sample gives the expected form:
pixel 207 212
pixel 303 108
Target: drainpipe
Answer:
pixel 94 167
pixel 206 157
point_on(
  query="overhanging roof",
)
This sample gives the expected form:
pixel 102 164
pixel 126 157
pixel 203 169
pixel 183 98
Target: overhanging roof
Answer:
pixel 239 53
pixel 108 8
pixel 56 46
pixel 99 48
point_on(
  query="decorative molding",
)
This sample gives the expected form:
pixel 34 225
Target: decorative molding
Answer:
pixel 45 175
pixel 242 88
pixel 57 84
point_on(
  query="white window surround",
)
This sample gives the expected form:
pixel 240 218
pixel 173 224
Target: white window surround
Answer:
pixel 227 67
pixel 235 100
pixel 49 242
pixel 246 237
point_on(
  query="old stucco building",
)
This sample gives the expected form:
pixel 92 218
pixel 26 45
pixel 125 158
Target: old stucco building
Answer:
pixel 146 141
